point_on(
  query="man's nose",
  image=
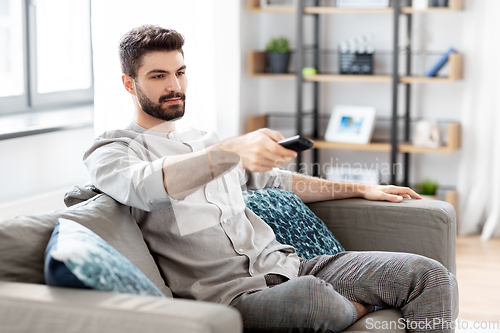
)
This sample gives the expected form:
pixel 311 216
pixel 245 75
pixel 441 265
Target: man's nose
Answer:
pixel 173 84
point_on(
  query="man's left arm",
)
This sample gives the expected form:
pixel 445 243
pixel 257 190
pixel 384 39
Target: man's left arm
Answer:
pixel 260 153
pixel 311 189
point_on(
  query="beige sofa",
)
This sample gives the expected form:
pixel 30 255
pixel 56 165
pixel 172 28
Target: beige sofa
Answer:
pixel 27 305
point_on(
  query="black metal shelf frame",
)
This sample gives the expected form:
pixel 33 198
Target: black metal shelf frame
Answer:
pixel 299 64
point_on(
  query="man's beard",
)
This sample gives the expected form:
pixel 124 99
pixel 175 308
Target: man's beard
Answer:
pixel 157 110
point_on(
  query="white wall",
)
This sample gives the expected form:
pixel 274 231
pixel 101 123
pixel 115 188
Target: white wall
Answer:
pixel 37 164
pixel 211 55
pixel 432 32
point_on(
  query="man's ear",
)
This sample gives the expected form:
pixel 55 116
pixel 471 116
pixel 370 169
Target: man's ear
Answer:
pixel 128 83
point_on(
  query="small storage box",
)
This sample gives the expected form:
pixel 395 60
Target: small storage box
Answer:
pixel 356 63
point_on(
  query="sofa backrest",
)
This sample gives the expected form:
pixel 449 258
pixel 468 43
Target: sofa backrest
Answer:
pixel 23 239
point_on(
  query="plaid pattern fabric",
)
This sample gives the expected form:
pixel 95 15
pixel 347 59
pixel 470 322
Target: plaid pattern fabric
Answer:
pixel 318 300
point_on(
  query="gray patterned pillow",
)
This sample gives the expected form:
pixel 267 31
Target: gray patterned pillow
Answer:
pixel 293 222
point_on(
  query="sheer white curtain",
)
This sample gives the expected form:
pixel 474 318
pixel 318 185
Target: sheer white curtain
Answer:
pixel 212 56
pixel 479 176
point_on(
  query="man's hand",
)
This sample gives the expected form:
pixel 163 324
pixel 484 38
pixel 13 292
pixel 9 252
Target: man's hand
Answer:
pixel 388 193
pixel 258 150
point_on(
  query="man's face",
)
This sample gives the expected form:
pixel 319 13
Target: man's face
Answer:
pixel 161 84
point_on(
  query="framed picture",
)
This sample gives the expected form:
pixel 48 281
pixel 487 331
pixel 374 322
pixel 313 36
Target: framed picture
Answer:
pixel 351 124
pixel 362 3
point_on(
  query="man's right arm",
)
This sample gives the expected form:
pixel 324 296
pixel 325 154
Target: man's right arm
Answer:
pixel 130 176
pixel 126 175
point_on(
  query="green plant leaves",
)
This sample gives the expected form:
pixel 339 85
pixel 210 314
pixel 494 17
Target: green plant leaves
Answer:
pixel 278 45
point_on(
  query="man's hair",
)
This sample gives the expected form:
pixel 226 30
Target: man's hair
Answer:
pixel 147 38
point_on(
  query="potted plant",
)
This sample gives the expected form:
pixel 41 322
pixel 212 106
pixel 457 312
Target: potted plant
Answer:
pixel 278 55
pixel 427 187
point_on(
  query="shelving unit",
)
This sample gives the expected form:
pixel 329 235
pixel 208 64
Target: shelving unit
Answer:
pixel 453 130
pixel 257 68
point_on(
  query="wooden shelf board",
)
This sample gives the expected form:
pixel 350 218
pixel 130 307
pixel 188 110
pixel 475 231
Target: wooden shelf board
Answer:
pixel 410 10
pixel 254 6
pixel 336 10
pixel 424 79
pixel 257 68
pixel 380 146
pixel 356 78
pixel 274 76
pixel 409 148
pixel 321 144
pixel 453 144
pixel 274 9
pixel 451 197
pixel 348 78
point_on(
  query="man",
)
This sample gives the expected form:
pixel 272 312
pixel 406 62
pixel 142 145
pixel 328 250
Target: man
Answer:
pixel 184 188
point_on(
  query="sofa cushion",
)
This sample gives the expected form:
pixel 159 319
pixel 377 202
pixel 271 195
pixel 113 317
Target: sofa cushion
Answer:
pixel 80 193
pixel 23 239
pixel 292 222
pixel 77 258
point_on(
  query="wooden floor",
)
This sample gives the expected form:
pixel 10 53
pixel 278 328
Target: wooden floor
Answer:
pixel 478 274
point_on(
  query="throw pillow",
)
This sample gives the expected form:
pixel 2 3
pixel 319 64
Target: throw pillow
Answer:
pixel 23 239
pixel 293 222
pixel 77 258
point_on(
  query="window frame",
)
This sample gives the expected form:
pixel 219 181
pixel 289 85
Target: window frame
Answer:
pixel 32 101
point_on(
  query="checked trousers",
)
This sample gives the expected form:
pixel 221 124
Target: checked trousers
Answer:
pixel 319 299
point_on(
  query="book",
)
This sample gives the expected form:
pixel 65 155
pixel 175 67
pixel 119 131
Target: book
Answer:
pixel 441 62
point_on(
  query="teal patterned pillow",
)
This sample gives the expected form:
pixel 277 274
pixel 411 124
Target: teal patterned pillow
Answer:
pixel 78 258
pixel 293 222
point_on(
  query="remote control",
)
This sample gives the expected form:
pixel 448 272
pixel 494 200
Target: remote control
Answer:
pixel 297 143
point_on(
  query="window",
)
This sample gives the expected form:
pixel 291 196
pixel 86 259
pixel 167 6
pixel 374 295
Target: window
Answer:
pixel 46 58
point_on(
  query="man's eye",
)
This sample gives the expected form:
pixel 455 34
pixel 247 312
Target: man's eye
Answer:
pixel 180 73
pixel 158 76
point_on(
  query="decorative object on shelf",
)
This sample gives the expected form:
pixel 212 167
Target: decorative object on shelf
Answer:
pixel 351 124
pixel 427 187
pixel 441 62
pixel 420 4
pixel 356 56
pixel 278 55
pixel 358 175
pixel 439 3
pixel 427 134
pixel 356 63
pixel 277 3
pixel 362 3
pixel 309 71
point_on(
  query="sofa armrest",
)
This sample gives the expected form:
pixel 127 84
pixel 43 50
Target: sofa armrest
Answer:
pixel 425 227
pixel 26 307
